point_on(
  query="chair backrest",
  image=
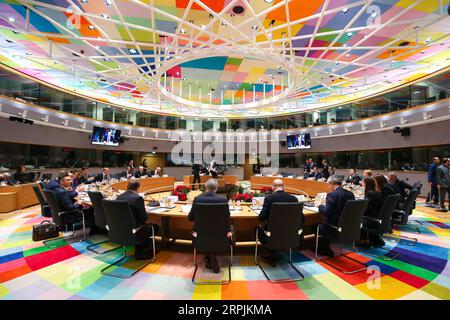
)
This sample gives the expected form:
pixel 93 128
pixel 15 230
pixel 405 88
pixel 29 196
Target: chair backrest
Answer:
pixel 350 221
pixel 99 213
pixel 386 212
pixel 54 206
pixel 212 223
pixel 39 195
pixel 409 202
pixel 120 222
pixel 285 221
pixel 47 176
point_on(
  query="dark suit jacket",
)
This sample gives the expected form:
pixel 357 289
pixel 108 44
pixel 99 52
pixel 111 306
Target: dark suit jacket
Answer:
pixel 279 196
pixel 207 197
pixel 196 169
pixel 137 206
pixel 54 184
pixel 84 179
pixel 355 179
pixel 387 190
pixel 335 203
pixel 100 178
pixel 399 186
pixel 65 200
pixel 139 174
pixel 376 201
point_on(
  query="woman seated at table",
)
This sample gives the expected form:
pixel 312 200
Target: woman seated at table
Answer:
pixel 372 191
pixel 75 175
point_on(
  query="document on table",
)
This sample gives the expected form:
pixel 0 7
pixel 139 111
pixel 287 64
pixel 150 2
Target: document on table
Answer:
pixel 158 210
pixel 186 208
pixel 257 211
pixel 314 209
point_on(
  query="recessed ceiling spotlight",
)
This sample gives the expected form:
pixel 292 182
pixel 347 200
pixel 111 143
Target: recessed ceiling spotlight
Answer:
pixel 269 35
pixel 373 15
pixel 203 26
pixel 345 10
pixel 427 40
pixel 347 55
pixel 108 2
pixel 133 51
pixel 105 59
pixel 268 1
pixel 11 19
pixel 183 31
pixel 91 27
pixel 84 1
pixel 422 52
pixel 104 16
pixel 279 67
pixel 349 34
pixel 238 9
pixel 28 53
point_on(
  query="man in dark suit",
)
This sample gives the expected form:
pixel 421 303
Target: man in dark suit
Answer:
pixel 331 212
pixel 196 173
pixel 69 203
pixel 140 173
pixel 142 219
pixel 278 195
pixel 104 176
pixel 56 183
pixel 209 196
pixel 353 178
pixel 399 186
pixel 84 177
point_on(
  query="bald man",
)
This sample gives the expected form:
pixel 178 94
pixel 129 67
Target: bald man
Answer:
pixel 278 195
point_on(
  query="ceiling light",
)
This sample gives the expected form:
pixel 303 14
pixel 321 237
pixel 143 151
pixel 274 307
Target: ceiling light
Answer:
pixel 105 59
pixel 427 40
pixel 108 2
pixel 373 15
pixel 349 34
pixel 203 26
pixel 268 1
pixel 347 55
pixel 104 16
pixel 84 1
pixel 133 51
pixel 345 10
pixel 91 27
pixel 28 54
pixel 183 31
pixel 11 19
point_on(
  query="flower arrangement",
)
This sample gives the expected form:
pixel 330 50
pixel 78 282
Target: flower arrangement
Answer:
pixel 246 197
pixel 228 190
pixel 266 190
pixel 182 189
pixel 181 195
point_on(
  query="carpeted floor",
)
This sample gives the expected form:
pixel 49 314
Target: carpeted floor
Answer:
pixel 28 270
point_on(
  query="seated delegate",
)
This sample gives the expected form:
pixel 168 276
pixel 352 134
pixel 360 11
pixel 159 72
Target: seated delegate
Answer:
pixel 209 196
pixel 278 195
pixel 143 249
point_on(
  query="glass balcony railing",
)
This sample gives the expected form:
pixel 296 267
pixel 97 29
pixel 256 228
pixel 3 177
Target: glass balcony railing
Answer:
pixel 421 92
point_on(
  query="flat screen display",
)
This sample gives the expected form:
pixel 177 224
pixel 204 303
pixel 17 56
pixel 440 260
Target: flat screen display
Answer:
pixel 298 141
pixel 105 136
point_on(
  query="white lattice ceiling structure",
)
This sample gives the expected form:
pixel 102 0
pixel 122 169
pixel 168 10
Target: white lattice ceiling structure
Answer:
pixel 225 58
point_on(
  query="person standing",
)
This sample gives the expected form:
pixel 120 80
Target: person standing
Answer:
pixel 434 193
pixel 443 183
pixel 196 174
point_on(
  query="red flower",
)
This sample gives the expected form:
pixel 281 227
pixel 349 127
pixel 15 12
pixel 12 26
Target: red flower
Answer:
pixel 246 197
pixel 266 189
pixel 182 196
pixel 182 189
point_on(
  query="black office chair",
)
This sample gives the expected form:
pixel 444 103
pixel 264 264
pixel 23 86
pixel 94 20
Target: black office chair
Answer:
pixel 46 211
pixel 284 229
pixel 100 219
pixel 212 224
pixel 46 177
pixel 348 231
pixel 64 219
pixel 122 228
pixel 382 224
pixel 401 215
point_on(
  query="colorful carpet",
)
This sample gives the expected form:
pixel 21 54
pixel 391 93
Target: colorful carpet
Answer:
pixel 28 270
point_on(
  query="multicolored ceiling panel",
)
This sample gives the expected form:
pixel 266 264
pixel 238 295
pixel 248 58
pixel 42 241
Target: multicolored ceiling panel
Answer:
pixel 228 58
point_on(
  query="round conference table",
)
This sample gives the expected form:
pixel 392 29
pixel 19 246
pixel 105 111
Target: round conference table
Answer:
pixel 175 226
